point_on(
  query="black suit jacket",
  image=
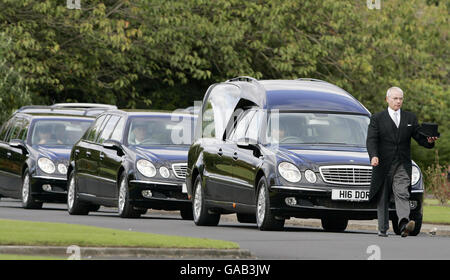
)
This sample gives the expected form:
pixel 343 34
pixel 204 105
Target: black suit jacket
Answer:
pixel 386 141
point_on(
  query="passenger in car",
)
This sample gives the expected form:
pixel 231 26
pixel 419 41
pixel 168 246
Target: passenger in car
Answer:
pixel 139 132
pixel 46 136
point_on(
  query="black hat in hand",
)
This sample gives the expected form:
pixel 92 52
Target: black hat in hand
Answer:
pixel 429 129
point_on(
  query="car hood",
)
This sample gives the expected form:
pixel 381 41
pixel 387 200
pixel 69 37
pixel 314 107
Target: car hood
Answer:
pixel 163 154
pixel 326 155
pixel 55 153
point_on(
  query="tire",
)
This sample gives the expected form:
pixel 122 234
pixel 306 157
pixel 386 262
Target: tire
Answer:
pixel 74 205
pixel 28 202
pixel 125 208
pixel 187 214
pixel 200 212
pixel 265 220
pixel 334 224
pixel 246 218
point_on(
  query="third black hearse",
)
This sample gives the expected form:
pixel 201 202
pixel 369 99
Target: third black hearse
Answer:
pixel 273 149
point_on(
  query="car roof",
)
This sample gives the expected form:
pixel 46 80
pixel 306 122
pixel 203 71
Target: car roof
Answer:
pixel 155 113
pixel 299 95
pixel 65 110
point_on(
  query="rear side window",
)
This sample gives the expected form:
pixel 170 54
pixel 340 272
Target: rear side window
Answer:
pixel 5 128
pixel 108 129
pixel 218 109
pixel 94 131
pixel 16 129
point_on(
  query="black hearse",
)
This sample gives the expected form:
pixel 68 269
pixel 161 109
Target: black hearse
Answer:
pixel 132 160
pixel 35 145
pixel 273 149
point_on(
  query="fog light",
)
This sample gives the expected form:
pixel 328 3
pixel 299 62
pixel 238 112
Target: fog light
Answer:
pixel 47 188
pixel 147 193
pixel 413 204
pixel 291 201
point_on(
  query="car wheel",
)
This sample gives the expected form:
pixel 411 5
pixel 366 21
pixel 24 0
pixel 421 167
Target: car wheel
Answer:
pixel 28 202
pixel 201 215
pixel 74 205
pixel 125 209
pixel 264 217
pixel 334 224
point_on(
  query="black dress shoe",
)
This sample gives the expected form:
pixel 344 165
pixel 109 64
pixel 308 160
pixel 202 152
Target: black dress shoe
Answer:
pixel 408 228
pixel 382 234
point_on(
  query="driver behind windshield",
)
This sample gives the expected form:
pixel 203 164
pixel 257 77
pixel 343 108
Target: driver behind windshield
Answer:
pixel 140 133
pixel 46 137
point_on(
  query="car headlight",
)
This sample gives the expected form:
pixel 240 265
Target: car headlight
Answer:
pixel 46 165
pixel 62 168
pixel 165 173
pixel 289 172
pixel 415 175
pixel 146 168
pixel 310 176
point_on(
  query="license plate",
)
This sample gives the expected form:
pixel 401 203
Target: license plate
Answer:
pixel 184 188
pixel 352 195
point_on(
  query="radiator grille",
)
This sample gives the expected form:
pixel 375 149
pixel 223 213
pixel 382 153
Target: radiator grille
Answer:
pixel 346 174
pixel 179 169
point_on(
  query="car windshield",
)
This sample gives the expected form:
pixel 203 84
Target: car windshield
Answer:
pixel 317 128
pixel 164 130
pixel 58 132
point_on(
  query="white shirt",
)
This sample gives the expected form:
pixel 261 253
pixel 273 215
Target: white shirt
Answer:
pixel 391 113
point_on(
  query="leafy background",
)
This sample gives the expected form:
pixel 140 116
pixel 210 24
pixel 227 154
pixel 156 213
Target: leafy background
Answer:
pixel 162 54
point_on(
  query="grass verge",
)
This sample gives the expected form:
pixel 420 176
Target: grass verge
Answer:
pixel 436 214
pixel 13 232
pixel 8 257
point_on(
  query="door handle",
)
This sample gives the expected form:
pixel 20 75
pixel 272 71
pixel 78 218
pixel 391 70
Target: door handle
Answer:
pixel 235 156
pixel 77 151
pixel 88 154
pixel 220 152
pixel 8 154
pixel 102 156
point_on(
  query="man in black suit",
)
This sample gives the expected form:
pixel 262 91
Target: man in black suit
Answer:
pixel 389 147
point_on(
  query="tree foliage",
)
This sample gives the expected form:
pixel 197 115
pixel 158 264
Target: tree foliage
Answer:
pixel 164 54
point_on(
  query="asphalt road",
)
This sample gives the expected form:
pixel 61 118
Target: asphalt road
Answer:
pixel 293 243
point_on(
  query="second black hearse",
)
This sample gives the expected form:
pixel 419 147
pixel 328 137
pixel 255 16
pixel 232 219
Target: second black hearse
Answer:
pixel 269 150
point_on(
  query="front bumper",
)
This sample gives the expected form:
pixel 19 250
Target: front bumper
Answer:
pixel 317 203
pixel 49 189
pixel 164 195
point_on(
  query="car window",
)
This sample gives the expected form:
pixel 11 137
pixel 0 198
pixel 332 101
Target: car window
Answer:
pixel 5 128
pixel 95 129
pixel 242 125
pixel 218 109
pixel 317 128
pixel 108 128
pixel 254 126
pixel 159 130
pixel 118 130
pixel 24 129
pixel 15 130
pixel 58 131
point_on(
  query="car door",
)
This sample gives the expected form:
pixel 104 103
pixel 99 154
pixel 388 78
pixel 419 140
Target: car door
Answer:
pixel 15 158
pixel 88 159
pixel 242 164
pixel 110 160
pixel 246 159
pixel 4 146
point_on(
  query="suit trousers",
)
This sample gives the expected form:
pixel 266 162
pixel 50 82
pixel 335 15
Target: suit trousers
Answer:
pixel 400 185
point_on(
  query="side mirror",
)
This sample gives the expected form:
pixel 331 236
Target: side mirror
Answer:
pixel 112 144
pixel 249 144
pixel 18 143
